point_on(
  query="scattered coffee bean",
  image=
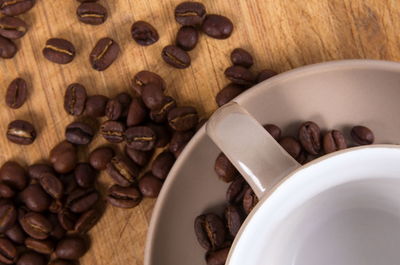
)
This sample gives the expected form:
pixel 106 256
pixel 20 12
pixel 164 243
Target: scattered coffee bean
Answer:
pixel 178 142
pixel 16 93
pixel 63 157
pixel 12 27
pixel 150 186
pixel 71 248
pixel 274 131
pixel 92 13
pixel 85 175
pixel 123 171
pixel 16 234
pixel 137 112
pixel 362 135
pixel 139 157
pixel 162 165
pixel 163 134
pixel 86 221
pixel 52 185
pixel 228 93
pixel 113 131
pixel 124 197
pixel 31 258
pixel 187 38
pixel 75 99
pixel 242 57
pixel 59 51
pixel 8 49
pixel 35 198
pixel 36 225
pixel 15 7
pixel 334 141
pixel 236 190
pixel 104 53
pixel 8 251
pixel 66 219
pixel 190 13
pixel 239 75
pixel 144 33
pixel 217 26
pixel 96 106
pixel 140 138
pixel 125 100
pixel 40 246
pixel 160 115
pixel 14 175
pixel 292 146
pixel 225 170
pixel 218 257
pixel 6 191
pixel 113 109
pixel 143 78
pixel 210 231
pixel 250 200
pixel 310 137
pixel 8 216
pixel 35 171
pixel 233 219
pixel 264 75
pixel 176 57
pixel 183 118
pixel 21 132
pixel 153 96
pixel 82 200
pixel 79 133
pixel 100 157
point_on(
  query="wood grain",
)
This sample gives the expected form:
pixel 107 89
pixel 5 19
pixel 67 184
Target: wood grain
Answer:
pixel 282 34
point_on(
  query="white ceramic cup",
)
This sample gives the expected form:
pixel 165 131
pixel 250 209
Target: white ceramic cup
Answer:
pixel 341 209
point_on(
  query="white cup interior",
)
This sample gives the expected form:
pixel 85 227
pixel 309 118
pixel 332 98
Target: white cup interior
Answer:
pixel 343 210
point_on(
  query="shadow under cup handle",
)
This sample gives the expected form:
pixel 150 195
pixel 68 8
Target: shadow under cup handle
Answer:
pixel 251 149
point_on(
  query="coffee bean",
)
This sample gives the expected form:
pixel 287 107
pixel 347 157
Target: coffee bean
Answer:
pixel 8 49
pixel 31 258
pixel 183 118
pixel 21 132
pixel 125 100
pixel 81 200
pixel 85 175
pixel 104 53
pixel 6 191
pixel 15 8
pixel 12 27
pixel 265 74
pixel 36 225
pixel 35 198
pixel 178 142
pixel 176 57
pixel 150 186
pixel 69 182
pixel 190 13
pixel 274 131
pixel 160 115
pixel 75 99
pixel 362 135
pixel 239 75
pixel 242 57
pixel 96 106
pixel 201 124
pixel 217 26
pixel 59 51
pixel 144 78
pixel 250 200
pixel 334 141
pixel 100 157
pixel 8 251
pixel 8 216
pixel 210 231
pixel 228 93
pixel 137 112
pixel 61 262
pixel 292 146
pixel 236 190
pixel 40 246
pixel 86 221
pixel 67 219
pixel 16 234
pixel 187 38
pixel 162 165
pixel 35 171
pixel 140 138
pixel 124 197
pixel 153 96
pixel 139 157
pixel 162 132
pixel 14 175
pixel 113 109
pixel 52 185
pixel 63 157
pixel 79 133
pixel 218 257
pixel 144 33
pixel 92 13
pixel 225 170
pixel 310 137
pixel 16 93
pixel 233 219
pixel 56 206
pixel 71 248
pixel 123 171
pixel 113 131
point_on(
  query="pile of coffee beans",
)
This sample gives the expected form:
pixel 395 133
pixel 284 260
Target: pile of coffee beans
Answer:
pixel 215 233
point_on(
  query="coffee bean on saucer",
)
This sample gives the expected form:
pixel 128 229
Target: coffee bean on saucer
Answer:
pixel 123 171
pixel 15 234
pixel 242 57
pixel 14 175
pixel 91 13
pixel 250 200
pixel 153 96
pixel 292 146
pixel 239 75
pixel 141 138
pixel 333 141
pixel 160 115
pixel 162 164
pixel 190 13
pixel 178 142
pixel 310 137
pixel 210 231
pixel 217 26
pixel 75 99
pixel 21 132
pixel 225 170
pixel 86 221
pixel 31 258
pixel 79 133
pixel 59 51
pixel 176 57
pixel 113 131
pixel 8 251
pixel 35 171
pixel 143 78
pixel 141 158
pixel 264 75
pixel 236 190
pixel 125 100
pixel 96 106
pixel 81 200
pixel 362 135
pixel 137 112
pixel 274 131
pixel 233 218
pixel 8 49
pixel 6 191
pixel 144 33
pixel 8 216
pixel 16 93
pixel 113 109
pixel 228 93
pixel 183 118
pixel 85 175
pixel 40 246
pixel 217 257
pixel 35 198
pixel 15 8
pixel 12 27
pixel 187 38
pixel 71 248
pixel 124 197
pixel 63 157
pixel 100 157
pixel 104 53
pixel 36 225
pixel 150 186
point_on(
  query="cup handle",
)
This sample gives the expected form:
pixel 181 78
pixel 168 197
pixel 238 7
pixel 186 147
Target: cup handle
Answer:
pixel 251 149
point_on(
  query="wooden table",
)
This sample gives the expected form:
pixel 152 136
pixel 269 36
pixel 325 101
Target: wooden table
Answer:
pixel 281 34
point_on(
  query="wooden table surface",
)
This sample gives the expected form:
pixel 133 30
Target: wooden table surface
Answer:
pixel 281 34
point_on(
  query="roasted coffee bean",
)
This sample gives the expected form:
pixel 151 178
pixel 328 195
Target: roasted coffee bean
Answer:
pixel 80 200
pixel 137 112
pixel 92 13
pixel 310 137
pixel 153 96
pixel 125 100
pixel 113 109
pixel 236 190
pixel 59 51
pixel 63 157
pixel 190 13
pixel 139 157
pixel 292 146
pixel 75 99
pixel 16 93
pixel 362 135
pixel 36 225
pixel 56 206
pixel 333 141
pixel 123 171
pixel 163 164
pixel 187 38
pixel 14 175
pixel 124 197
pixel 32 258
pixel 15 7
pixel 8 252
pixel 69 182
pixel 79 133
pixel 218 257
pixel 163 134
pixel 228 93
pixel 144 33
pixel 6 191
pixel 40 246
pixel 250 200
pixel 96 106
pixel 104 53
pixel 160 115
pixel 178 142
pixel 183 118
pixel 225 170
pixel 35 171
pixel 8 216
pixel 85 175
pixel 66 219
pixel 113 131
pixel 61 262
pixel 217 26
pixel 71 248
pixel 35 198
pixel 274 131
pixel 58 232
pixel 8 49
pixel 239 75
pixel 16 234
pixel 150 186
pixel 264 75
pixel 140 138
pixel 176 57
pixel 86 221
pixel 21 132
pixel 100 157
pixel 52 185
pixel 242 57
pixel 143 78
pixel 233 218
pixel 210 231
